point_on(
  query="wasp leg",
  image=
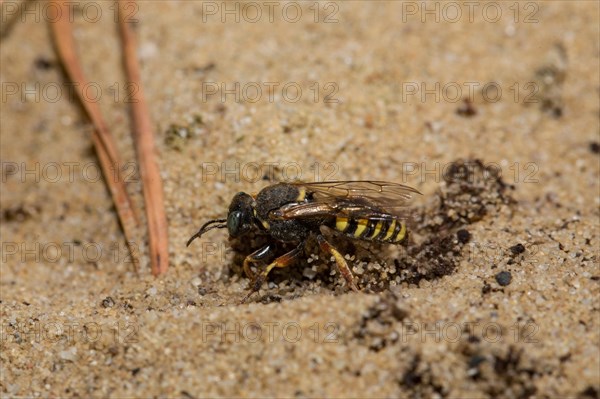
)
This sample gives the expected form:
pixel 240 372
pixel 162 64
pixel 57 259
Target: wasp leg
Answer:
pixel 255 257
pixel 282 261
pixel 339 260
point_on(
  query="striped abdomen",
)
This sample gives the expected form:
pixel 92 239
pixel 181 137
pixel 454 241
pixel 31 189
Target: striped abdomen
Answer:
pixel 388 230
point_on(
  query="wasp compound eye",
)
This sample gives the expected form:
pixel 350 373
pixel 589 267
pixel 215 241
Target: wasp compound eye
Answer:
pixel 233 223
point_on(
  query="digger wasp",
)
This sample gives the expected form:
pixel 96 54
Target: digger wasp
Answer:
pixel 292 212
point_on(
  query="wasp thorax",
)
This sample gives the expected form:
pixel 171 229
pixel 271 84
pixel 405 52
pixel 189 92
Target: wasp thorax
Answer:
pixel 239 217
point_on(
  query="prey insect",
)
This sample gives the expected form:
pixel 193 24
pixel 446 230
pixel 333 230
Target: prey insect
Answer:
pixel 292 212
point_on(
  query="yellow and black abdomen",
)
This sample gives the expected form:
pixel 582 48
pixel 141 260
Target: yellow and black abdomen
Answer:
pixel 390 230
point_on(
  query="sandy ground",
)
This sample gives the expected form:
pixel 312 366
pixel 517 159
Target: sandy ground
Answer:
pixel 496 295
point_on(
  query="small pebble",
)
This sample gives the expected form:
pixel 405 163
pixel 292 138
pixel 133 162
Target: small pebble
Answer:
pixel 504 278
pixel 466 109
pixel 108 302
pixel 43 63
pixel 517 249
pixel 486 288
pixel 475 361
pixel 463 236
pixel 308 272
pixel 69 354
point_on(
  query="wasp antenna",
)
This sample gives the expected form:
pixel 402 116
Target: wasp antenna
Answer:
pixel 206 228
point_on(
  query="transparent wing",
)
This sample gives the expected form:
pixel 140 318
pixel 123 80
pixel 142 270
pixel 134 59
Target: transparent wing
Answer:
pixel 379 193
pixel 357 199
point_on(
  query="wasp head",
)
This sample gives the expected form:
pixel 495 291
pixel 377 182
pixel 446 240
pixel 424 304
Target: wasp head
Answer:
pixel 239 218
